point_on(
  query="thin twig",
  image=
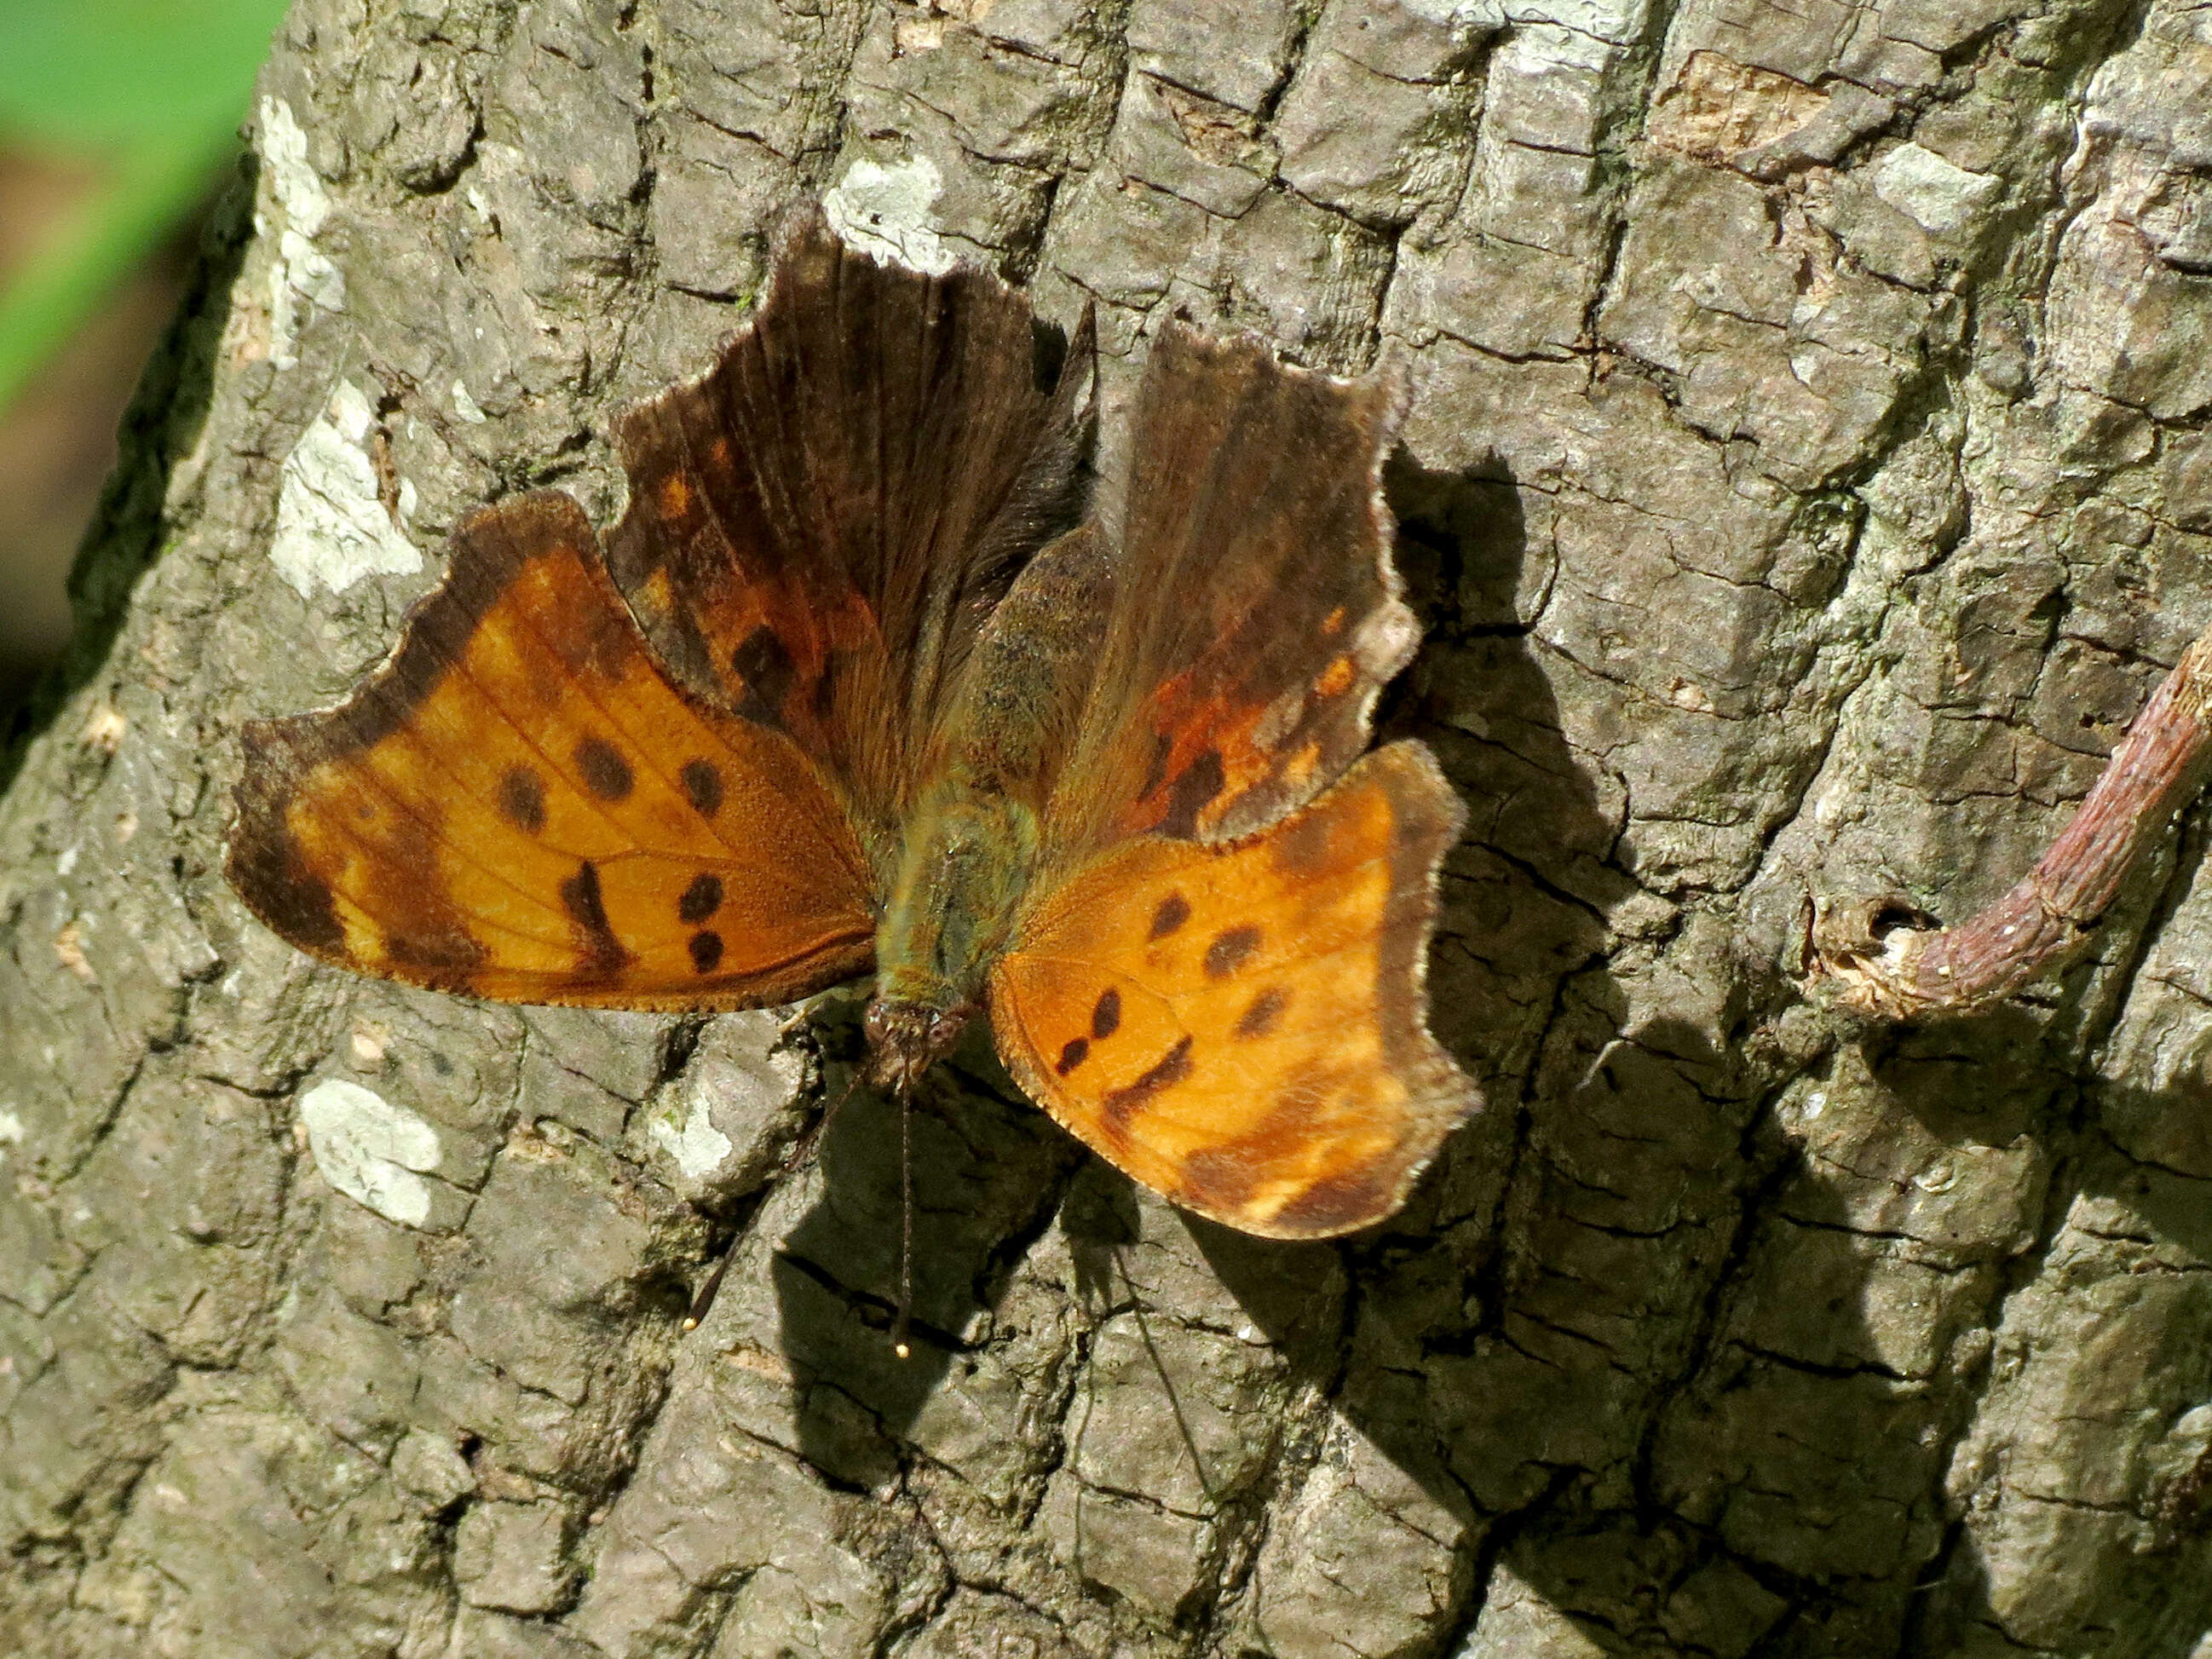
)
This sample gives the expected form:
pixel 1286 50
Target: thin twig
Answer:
pixel 1910 972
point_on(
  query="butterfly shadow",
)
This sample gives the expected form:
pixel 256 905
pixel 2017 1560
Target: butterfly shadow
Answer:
pixel 1518 992
pixel 988 1170
pixel 1546 1339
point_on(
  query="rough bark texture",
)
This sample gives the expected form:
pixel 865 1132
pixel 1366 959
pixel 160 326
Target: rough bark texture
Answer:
pixel 1806 481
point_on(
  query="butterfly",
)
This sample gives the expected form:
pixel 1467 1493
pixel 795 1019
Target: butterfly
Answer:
pixel 856 686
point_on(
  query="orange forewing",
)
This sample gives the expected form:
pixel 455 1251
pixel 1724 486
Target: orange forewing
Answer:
pixel 1241 1027
pixel 520 805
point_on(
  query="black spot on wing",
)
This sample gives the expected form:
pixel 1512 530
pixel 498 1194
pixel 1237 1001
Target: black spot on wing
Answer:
pixel 1194 787
pixel 1077 1051
pixel 605 773
pixel 1106 1016
pixel 1173 912
pixel 1265 1014
pixel 522 799
pixel 1230 951
pixel 1122 1104
pixel 580 896
pixel 700 900
pixel 705 951
pixel 702 786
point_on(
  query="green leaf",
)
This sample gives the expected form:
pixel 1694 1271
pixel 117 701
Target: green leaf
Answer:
pixel 150 90
pixel 102 74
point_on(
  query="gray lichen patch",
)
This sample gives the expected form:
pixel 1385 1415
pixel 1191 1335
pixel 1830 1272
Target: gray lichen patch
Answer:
pixel 333 526
pixel 371 1150
pixel 726 1126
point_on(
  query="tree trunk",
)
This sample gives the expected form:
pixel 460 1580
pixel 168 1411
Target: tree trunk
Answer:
pixel 1806 481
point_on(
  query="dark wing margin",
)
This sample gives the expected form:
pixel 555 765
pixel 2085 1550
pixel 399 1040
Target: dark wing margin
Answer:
pixel 1256 609
pixel 519 805
pixel 819 525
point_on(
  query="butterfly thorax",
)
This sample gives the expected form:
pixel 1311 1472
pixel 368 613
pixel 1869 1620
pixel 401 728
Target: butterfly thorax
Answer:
pixel 972 842
pixel 970 854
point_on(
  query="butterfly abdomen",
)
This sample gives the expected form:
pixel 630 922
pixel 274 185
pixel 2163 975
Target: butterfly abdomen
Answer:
pixel 1014 719
pixel 972 842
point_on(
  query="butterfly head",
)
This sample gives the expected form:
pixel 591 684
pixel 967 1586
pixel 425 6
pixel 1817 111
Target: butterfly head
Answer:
pixel 905 1039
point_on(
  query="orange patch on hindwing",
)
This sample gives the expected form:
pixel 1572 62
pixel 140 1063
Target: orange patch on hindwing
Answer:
pixel 1241 1027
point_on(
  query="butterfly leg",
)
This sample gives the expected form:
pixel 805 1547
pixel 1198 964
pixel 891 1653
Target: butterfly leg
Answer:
pixel 801 1154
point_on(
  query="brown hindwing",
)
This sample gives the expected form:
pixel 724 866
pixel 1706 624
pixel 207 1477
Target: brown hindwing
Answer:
pixel 1256 611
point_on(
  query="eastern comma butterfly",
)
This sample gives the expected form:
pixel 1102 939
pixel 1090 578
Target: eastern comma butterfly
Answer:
pixel 834 697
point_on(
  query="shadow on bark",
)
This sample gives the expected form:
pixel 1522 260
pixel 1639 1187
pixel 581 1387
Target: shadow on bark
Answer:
pixel 989 1172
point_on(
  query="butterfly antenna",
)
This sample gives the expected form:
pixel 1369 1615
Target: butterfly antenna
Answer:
pixel 901 1325
pixel 801 1151
pixel 705 1299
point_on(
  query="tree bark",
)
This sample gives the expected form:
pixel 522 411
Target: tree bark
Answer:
pixel 1806 481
